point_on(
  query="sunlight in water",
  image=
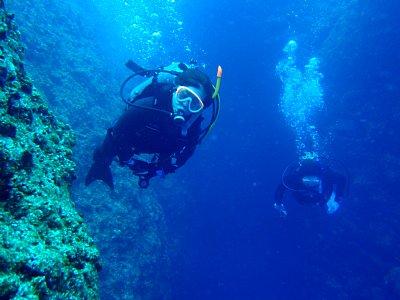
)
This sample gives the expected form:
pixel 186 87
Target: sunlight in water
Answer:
pixel 153 30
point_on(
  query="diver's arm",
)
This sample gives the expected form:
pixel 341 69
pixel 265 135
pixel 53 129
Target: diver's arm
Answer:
pixel 138 90
pixel 188 146
pixel 171 163
pixel 338 182
pixel 184 155
pixel 332 196
pixel 278 204
pixel 279 193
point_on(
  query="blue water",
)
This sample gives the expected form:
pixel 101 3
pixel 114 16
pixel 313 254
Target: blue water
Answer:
pixel 235 245
pixel 232 243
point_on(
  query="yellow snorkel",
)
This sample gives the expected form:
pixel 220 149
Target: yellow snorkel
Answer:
pixel 215 105
pixel 218 84
pixel 216 96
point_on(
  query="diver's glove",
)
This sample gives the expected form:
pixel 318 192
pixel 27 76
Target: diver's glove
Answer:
pixel 281 208
pixel 332 204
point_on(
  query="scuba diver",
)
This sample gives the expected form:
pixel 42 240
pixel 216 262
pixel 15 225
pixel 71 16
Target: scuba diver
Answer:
pixel 161 125
pixel 313 180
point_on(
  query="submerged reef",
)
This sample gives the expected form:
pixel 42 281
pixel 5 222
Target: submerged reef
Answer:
pixel 76 62
pixel 46 251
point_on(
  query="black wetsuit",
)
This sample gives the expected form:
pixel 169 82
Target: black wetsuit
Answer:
pixel 142 130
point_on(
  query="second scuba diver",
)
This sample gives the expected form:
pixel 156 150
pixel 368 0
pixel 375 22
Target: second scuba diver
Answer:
pixel 312 181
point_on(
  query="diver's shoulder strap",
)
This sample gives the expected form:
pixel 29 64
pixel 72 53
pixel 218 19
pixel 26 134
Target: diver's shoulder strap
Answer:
pixel 163 78
pixel 138 90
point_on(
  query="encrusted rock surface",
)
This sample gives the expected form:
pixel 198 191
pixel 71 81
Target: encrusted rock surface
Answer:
pixel 46 251
pixel 67 59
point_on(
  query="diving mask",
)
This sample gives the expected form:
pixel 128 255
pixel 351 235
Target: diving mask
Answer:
pixel 189 98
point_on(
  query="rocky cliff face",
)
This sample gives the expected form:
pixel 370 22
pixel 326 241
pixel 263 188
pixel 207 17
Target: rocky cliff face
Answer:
pixel 46 251
pixel 66 57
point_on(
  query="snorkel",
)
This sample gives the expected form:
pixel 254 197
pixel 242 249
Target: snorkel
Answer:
pixel 218 84
pixel 216 105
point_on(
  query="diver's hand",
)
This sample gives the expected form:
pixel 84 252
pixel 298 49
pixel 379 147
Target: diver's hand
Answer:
pixel 281 208
pixel 332 204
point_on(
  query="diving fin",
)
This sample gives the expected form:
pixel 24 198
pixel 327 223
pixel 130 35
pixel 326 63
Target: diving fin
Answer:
pixel 134 67
pixel 100 172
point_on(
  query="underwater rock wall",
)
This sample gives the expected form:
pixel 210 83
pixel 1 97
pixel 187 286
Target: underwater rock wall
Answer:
pixel 46 251
pixel 67 58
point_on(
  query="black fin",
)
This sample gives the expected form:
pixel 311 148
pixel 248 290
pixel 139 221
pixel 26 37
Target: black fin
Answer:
pixel 134 67
pixel 100 172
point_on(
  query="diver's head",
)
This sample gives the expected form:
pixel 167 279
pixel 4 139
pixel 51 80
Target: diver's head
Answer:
pixel 193 94
pixel 187 100
pixel 309 156
pixel 197 79
pixel 309 164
